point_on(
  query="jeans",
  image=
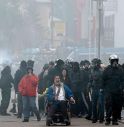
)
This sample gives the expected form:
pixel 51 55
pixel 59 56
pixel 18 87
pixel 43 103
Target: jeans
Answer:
pixel 29 103
pixel 98 105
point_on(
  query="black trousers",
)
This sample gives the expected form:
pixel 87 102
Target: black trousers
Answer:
pixel 112 105
pixel 41 104
pixel 79 106
pixel 60 106
pixel 6 95
pixel 20 104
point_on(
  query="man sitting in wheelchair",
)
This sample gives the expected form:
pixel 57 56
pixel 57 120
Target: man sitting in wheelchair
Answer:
pixel 57 96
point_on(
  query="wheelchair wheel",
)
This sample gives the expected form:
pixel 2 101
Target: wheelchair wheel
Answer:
pixel 68 123
pixel 48 122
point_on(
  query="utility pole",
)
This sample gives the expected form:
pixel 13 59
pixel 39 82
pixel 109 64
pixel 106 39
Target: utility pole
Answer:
pixel 90 21
pixel 52 31
pixel 100 22
pixel 100 26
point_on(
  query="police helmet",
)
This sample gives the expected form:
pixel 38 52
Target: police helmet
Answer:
pixel 96 61
pixel 46 66
pixel 60 62
pixel 113 58
pixel 86 62
pixel 82 63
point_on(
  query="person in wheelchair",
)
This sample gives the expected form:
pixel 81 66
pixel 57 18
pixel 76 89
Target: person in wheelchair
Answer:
pixel 57 96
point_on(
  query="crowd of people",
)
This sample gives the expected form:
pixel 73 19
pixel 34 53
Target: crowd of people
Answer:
pixel 97 91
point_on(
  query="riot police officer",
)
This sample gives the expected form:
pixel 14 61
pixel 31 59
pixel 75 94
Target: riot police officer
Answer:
pixel 97 91
pixel 85 74
pixel 112 82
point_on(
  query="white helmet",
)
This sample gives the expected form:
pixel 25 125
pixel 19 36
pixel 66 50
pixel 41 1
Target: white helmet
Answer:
pixel 113 57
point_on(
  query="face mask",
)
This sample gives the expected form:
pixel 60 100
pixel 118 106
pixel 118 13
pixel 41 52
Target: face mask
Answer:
pixel 114 63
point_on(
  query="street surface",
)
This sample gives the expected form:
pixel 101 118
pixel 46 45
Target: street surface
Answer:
pixel 12 121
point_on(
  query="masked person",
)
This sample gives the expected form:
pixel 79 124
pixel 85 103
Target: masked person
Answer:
pixel 85 74
pixel 113 83
pixel 55 70
pixel 97 91
pixel 77 109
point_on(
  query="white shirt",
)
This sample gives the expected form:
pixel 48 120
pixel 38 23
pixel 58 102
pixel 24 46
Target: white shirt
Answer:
pixel 61 96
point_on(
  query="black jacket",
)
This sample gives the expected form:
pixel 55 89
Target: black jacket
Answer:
pixel 85 75
pixel 18 76
pixel 113 79
pixel 96 81
pixel 6 80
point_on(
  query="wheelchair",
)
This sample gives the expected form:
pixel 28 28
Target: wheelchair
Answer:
pixel 57 118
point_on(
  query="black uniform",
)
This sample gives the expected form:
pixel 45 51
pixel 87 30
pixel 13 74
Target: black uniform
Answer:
pixel 76 109
pixel 97 94
pixel 57 70
pixel 85 74
pixel 113 83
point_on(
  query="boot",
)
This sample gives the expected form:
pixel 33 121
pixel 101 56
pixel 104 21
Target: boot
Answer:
pixel 26 120
pixel 38 117
pixel 107 123
pixel 13 110
pixel 114 123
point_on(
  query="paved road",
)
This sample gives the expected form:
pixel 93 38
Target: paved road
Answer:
pixel 12 121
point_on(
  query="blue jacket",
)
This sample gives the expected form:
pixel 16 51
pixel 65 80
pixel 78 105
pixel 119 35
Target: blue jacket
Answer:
pixel 51 94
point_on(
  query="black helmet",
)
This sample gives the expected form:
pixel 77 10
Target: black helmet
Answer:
pixel 23 64
pixel 30 63
pixel 46 66
pixel 86 62
pixel 60 62
pixel 76 66
pixel 82 63
pixel 96 61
